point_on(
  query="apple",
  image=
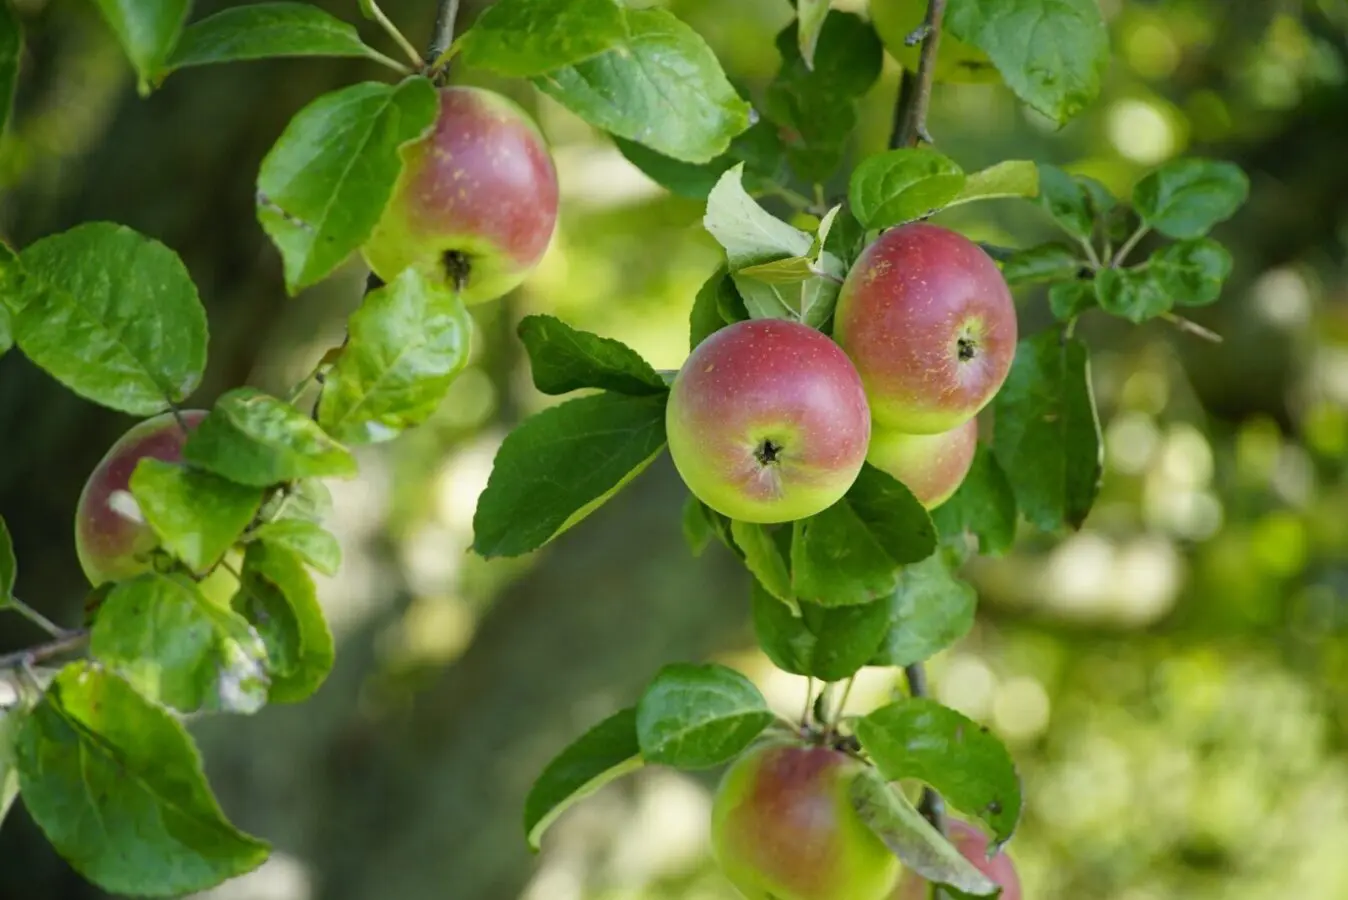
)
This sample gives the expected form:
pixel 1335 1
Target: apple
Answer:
pixel 111 537
pixel 783 828
pixel 767 421
pixel 928 320
pixel 956 61
pixel 932 466
pixel 476 202
pixel 974 845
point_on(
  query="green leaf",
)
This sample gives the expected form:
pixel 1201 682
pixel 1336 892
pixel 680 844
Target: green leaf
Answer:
pixel 662 87
pixel 1192 272
pixel 697 527
pixel 112 315
pixel 764 560
pixel 847 238
pixel 406 344
pixel 826 643
pixel 815 106
pixel 1069 299
pixel 178 648
pixel 308 500
pixel 919 738
pixel 706 318
pixel 11 49
pixel 9 566
pixel 1046 262
pixel 524 38
pixel 325 182
pixel 9 284
pixel 564 359
pixel 1047 435
pixel 887 812
pixel 278 598
pixel 1052 53
pixel 1136 294
pixel 902 185
pixel 759 148
pixel 309 541
pixel 1186 197
pixel 256 439
pixel 10 719
pixel 930 610
pixel 195 515
pixel 792 270
pixel 837 561
pixel 983 505
pixel 696 717
pixel 116 785
pixel 753 237
pixel 147 31
pixel 266 30
pixel 563 463
pixel 1101 200
pixel 890 511
pixel 1066 201
pixel 810 16
pixel 1009 179
pixel 606 752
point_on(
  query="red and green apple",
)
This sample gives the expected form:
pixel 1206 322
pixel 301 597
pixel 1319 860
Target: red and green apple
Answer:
pixel 932 466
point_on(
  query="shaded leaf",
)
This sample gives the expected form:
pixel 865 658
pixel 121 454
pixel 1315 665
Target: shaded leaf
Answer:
pixel 1192 272
pixel 1066 201
pixel 1046 262
pixel 983 505
pixel 195 515
pixel 1048 434
pixel 564 359
pixel 1052 53
pixel 406 344
pixel 810 16
pixel 1136 294
pixel 279 599
pixel 309 541
pixel 523 38
pixel 9 566
pixel 887 812
pixel 1009 179
pixel 706 317
pixel 662 87
pixel 1070 299
pixel 11 49
pixel 837 561
pixel 116 785
pixel 253 438
pixel 147 31
pixel 266 30
pixel 607 751
pixel 177 648
pixel 112 315
pixel 324 184
pixel 929 611
pixel 826 643
pixel 698 716
pixel 764 560
pixel 1186 197
pixel 890 511
pixel 560 465
pixel 902 185
pixel 919 738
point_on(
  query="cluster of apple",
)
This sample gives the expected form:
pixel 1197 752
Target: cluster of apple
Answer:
pixel 771 421
pixel 474 209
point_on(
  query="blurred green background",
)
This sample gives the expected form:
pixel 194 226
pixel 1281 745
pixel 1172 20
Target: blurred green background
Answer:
pixel 1171 680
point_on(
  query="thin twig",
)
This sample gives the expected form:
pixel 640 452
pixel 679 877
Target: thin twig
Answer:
pixel 68 643
pixel 442 38
pixel 1128 246
pixel 809 702
pixel 842 705
pixel 1191 327
pixel 398 37
pixel 915 93
pixel 37 618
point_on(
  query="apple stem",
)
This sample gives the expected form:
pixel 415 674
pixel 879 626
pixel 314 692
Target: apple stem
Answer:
pixel 1128 246
pixel 68 642
pixel 910 115
pixel 392 30
pixel 1190 327
pixel 809 702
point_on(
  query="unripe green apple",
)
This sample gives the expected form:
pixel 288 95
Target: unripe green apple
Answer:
pixel 111 537
pixel 932 466
pixel 767 421
pixel 956 61
pixel 928 320
pixel 476 202
pixel 783 828
pixel 974 846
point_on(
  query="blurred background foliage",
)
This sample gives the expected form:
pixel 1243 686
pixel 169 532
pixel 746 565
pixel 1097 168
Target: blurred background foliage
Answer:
pixel 1171 680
